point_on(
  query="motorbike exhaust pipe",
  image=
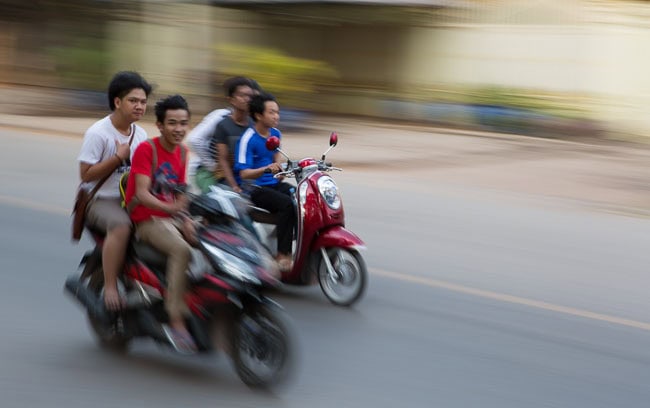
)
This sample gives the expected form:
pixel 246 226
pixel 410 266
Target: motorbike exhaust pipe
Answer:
pixel 87 298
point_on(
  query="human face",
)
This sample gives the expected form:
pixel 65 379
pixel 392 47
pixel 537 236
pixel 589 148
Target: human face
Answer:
pixel 133 105
pixel 174 128
pixel 271 115
pixel 241 97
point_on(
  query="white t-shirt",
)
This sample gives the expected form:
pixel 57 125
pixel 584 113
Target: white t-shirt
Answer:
pixel 200 138
pixel 99 145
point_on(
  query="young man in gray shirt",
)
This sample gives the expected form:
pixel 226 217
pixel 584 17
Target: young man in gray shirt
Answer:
pixel 240 91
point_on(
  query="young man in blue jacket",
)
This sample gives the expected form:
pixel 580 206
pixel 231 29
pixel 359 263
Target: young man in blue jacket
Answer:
pixel 253 161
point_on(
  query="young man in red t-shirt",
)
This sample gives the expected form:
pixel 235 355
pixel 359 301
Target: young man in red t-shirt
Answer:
pixel 159 210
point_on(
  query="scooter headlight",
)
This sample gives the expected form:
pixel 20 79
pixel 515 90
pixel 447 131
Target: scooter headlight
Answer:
pixel 232 265
pixel 330 192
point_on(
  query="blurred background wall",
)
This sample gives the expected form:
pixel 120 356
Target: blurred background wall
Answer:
pixel 552 67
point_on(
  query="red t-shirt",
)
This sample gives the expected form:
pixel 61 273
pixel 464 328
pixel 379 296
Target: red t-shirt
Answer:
pixel 170 172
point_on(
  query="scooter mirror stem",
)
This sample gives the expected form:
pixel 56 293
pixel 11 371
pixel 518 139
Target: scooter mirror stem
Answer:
pixel 283 153
pixel 327 151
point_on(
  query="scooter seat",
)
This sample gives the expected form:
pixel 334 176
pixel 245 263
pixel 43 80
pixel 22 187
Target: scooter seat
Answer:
pixel 150 255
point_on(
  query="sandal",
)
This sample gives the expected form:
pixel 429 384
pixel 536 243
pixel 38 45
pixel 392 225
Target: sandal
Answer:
pixel 180 340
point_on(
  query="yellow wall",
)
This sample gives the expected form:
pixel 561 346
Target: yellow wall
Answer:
pixel 595 48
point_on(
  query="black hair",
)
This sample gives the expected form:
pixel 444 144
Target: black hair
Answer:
pixel 230 85
pixel 172 102
pixel 258 103
pixel 124 82
pixel 255 85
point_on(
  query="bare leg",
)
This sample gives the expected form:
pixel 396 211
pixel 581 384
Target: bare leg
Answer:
pixel 113 253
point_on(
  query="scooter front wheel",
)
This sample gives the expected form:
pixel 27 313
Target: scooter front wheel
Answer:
pixel 263 349
pixel 342 275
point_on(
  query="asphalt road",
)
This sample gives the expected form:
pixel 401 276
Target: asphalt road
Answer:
pixel 476 299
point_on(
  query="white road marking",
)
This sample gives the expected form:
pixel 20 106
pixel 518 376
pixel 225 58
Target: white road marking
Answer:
pixel 501 297
pixel 35 205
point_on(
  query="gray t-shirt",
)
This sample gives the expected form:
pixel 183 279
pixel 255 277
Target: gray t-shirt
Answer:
pixel 228 132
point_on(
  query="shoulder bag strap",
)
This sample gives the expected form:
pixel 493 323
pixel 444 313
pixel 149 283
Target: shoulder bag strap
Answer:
pixel 132 134
pixel 107 176
pixel 154 157
pixel 154 163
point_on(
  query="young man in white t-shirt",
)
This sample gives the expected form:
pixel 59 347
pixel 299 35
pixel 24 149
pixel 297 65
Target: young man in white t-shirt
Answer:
pixel 203 163
pixel 105 150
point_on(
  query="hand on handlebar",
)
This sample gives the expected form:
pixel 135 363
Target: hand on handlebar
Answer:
pixel 273 168
pixel 180 204
pixel 189 228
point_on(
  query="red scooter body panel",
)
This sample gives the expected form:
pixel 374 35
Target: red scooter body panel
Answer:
pixel 337 236
pixel 202 296
pixel 137 270
pixel 314 218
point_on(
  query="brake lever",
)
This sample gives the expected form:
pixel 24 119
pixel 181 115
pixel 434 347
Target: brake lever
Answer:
pixel 283 174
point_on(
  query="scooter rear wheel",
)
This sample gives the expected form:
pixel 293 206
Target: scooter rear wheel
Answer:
pixel 107 335
pixel 347 282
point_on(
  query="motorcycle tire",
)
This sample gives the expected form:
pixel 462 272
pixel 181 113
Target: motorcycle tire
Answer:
pixel 263 352
pixel 350 280
pixel 106 335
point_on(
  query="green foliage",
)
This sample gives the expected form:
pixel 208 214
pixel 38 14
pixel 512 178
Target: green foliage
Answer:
pixel 292 80
pixel 82 64
pixel 552 103
pixel 555 104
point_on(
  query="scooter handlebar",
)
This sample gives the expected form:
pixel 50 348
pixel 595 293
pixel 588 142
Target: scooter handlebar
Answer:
pixel 288 173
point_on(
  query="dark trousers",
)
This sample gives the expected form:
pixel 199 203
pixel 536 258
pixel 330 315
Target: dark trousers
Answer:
pixel 277 200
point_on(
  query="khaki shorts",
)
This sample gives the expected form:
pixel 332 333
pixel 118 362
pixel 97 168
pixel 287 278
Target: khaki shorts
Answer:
pixel 164 235
pixel 106 214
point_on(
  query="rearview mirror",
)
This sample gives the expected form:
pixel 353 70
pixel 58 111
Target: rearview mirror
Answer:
pixel 272 143
pixel 334 139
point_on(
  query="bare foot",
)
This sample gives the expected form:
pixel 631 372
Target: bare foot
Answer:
pixel 285 263
pixel 112 299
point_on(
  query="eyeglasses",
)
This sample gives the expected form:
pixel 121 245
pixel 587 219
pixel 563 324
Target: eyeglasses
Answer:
pixel 243 95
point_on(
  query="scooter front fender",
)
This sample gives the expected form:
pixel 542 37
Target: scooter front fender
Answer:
pixel 338 236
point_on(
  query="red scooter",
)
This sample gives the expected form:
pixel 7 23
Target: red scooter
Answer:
pixel 324 250
pixel 228 309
